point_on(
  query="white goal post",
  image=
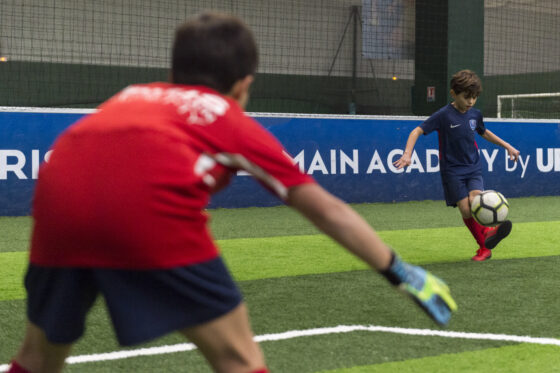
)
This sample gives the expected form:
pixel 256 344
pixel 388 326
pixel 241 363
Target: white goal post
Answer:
pixel 502 98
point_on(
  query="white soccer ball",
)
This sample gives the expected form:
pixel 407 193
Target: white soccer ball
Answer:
pixel 490 208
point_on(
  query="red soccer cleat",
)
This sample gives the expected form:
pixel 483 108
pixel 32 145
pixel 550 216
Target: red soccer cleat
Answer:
pixel 482 254
pixel 493 236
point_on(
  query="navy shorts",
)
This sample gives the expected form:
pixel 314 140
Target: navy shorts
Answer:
pixel 143 304
pixel 455 187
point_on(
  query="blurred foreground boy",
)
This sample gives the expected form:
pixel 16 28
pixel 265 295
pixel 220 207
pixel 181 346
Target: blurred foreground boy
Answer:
pixel 119 211
pixel 459 160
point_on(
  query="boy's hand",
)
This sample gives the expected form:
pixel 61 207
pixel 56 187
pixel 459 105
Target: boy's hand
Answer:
pixel 428 291
pixel 513 153
pixel 403 161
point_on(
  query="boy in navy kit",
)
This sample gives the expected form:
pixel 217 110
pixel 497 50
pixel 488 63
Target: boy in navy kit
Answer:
pixel 459 160
pixel 119 211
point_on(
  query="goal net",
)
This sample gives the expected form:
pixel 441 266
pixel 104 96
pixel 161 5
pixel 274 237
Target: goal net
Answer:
pixel 529 105
pixel 315 56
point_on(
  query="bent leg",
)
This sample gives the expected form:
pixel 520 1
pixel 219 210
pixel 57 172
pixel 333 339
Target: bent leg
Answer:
pixel 38 355
pixel 227 342
pixel 464 208
pixel 478 231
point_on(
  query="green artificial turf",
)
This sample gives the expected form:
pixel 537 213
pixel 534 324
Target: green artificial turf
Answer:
pixel 283 221
pixel 267 257
pixel 14 233
pixel 11 276
pixel 514 297
pixel 294 278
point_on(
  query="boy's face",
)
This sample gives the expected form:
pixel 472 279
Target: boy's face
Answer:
pixel 463 101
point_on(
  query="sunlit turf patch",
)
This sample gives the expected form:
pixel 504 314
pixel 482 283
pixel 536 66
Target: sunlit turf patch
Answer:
pixel 12 268
pixel 298 255
pixel 511 359
pixel 270 257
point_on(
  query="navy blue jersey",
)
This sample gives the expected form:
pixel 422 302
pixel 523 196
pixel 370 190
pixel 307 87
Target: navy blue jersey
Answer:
pixel 458 151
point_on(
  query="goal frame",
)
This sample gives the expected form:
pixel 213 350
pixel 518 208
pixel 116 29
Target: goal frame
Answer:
pixel 520 95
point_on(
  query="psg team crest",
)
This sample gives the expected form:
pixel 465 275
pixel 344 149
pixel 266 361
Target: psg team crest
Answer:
pixel 472 123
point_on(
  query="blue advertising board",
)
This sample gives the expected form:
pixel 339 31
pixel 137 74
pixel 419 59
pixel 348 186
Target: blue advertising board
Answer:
pixel 352 157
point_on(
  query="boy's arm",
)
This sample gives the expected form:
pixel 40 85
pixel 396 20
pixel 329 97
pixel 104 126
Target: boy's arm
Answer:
pixel 494 139
pixel 349 229
pixel 406 157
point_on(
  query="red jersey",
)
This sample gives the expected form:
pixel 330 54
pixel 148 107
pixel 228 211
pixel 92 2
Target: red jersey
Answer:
pixel 126 187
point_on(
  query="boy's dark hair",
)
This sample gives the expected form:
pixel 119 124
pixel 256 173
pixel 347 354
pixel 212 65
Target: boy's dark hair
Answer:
pixel 466 81
pixel 214 50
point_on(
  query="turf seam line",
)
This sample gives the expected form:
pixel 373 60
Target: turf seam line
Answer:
pixel 181 347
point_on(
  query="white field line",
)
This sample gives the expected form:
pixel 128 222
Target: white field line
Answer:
pixel 168 349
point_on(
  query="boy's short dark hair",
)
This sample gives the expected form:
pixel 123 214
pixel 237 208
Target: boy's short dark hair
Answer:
pixel 466 81
pixel 214 50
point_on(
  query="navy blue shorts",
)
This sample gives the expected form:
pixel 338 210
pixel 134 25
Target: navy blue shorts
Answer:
pixel 143 304
pixel 455 188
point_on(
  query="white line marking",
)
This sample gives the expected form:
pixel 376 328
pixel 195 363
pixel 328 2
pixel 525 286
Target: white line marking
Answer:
pixel 181 347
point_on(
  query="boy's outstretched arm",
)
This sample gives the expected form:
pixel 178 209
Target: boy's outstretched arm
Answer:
pixel 494 139
pixel 349 229
pixel 405 159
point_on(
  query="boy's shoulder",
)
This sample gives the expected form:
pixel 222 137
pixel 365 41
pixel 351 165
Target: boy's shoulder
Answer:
pixel 444 110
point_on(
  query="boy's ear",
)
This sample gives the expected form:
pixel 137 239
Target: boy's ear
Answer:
pixel 452 93
pixel 240 90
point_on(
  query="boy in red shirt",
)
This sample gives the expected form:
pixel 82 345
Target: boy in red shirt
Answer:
pixel 119 211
